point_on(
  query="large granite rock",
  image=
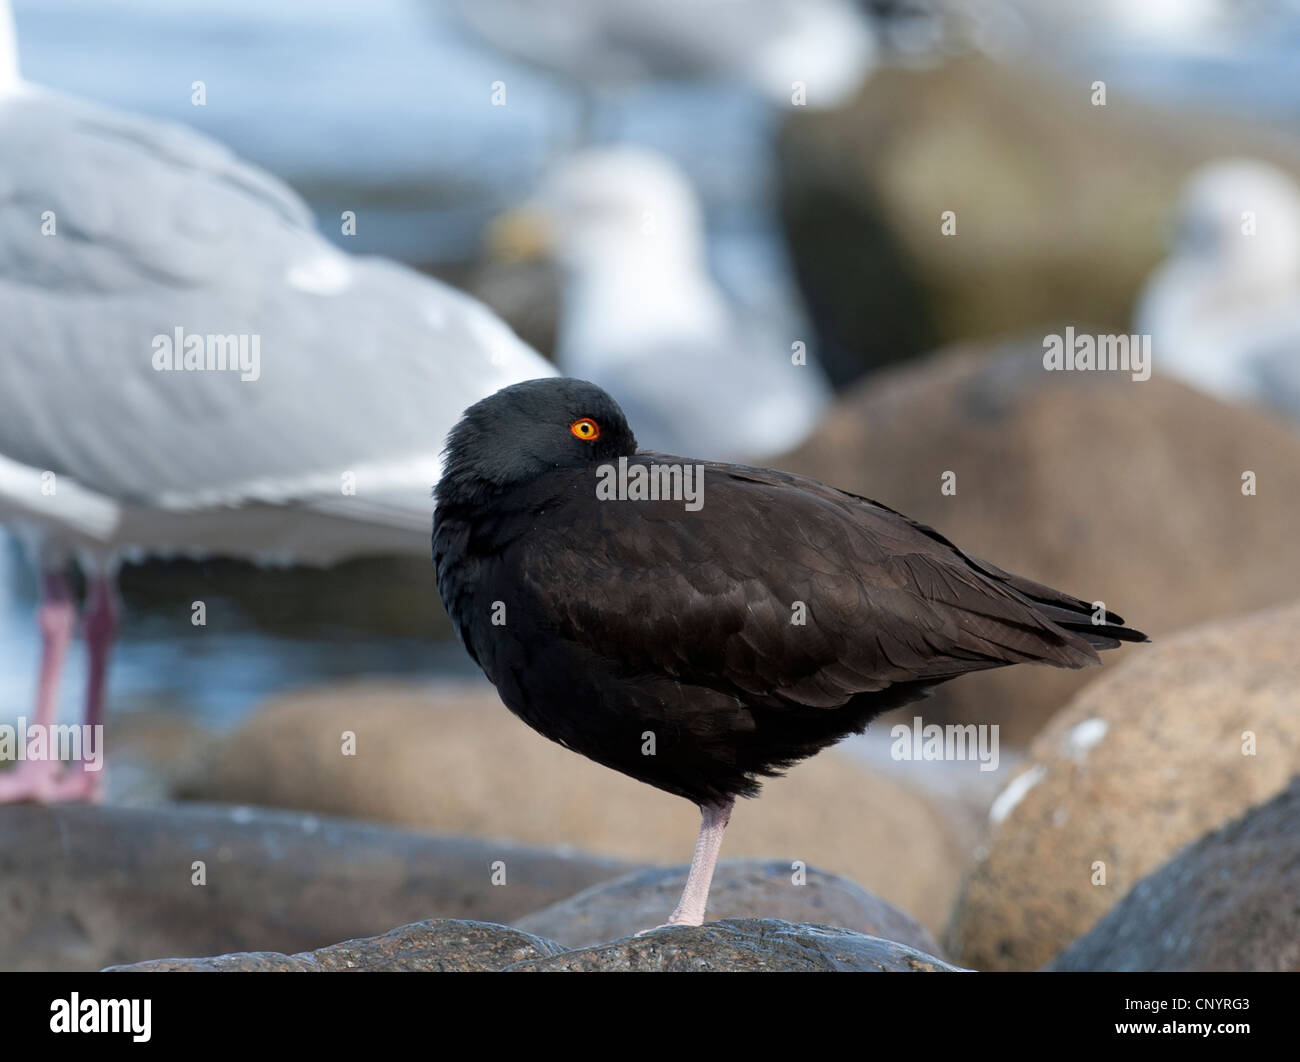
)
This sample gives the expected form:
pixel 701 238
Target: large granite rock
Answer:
pixel 744 890
pixel 1124 492
pixel 442 945
pixel 1174 743
pixel 1062 207
pixel 1231 901
pixel 452 759
pixel 750 945
pixel 82 887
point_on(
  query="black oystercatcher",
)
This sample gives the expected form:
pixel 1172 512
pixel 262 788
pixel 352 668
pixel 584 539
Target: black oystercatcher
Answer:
pixel 700 633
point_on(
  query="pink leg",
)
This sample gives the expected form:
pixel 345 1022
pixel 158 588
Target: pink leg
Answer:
pixel 57 616
pixel 690 908
pixel 85 780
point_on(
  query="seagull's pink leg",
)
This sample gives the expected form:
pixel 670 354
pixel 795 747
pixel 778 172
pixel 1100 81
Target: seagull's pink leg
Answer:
pixel 99 624
pixel 690 908
pixel 57 616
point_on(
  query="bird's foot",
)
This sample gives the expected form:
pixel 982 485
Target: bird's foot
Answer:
pixel 48 782
pixel 30 780
pixel 670 924
pixel 78 785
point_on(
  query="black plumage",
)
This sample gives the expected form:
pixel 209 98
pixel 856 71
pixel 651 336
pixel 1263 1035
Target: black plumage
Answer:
pixel 608 624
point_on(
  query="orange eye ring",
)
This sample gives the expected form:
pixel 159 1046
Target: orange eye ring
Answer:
pixel 585 429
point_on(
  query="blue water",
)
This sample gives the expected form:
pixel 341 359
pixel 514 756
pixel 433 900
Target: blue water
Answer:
pixel 1257 80
pixel 216 673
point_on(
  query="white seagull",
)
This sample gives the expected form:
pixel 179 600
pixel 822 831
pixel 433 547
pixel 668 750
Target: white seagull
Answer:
pixel 136 259
pixel 642 316
pixel 1223 311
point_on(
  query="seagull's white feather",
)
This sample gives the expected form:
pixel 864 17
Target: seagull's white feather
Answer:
pixel 34 497
pixel 1224 310
pixel 364 364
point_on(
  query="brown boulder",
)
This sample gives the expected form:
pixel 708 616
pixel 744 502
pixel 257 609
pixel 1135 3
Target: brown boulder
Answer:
pixel 1062 207
pixel 1125 492
pixel 1174 743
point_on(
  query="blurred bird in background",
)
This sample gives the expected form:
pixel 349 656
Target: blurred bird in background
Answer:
pixel 642 317
pixel 1224 310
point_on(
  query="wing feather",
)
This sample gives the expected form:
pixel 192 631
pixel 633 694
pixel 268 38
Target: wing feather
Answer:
pixel 788 593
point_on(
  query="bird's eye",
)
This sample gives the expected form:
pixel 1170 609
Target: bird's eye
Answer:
pixel 585 429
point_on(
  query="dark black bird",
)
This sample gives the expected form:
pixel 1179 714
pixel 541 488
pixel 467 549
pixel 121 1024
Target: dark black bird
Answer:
pixel 701 646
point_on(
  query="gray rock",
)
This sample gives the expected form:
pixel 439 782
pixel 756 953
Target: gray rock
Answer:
pixel 1231 902
pixel 742 889
pixel 83 887
pixel 432 946
pixel 749 944
pixel 742 945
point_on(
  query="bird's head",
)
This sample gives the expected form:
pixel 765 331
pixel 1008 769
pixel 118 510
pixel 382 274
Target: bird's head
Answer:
pixel 529 428
pixel 1241 219
pixel 605 207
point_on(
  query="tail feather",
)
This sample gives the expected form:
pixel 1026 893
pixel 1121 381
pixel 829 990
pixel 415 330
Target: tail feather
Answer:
pixel 1099 627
